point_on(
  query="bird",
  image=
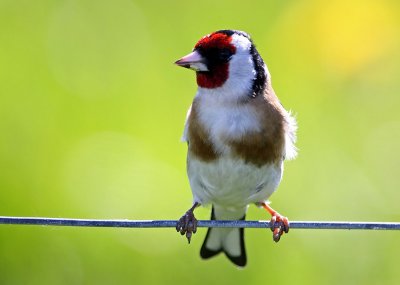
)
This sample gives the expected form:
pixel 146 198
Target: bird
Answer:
pixel 238 136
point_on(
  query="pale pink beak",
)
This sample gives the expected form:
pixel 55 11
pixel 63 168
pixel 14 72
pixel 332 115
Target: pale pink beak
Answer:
pixel 193 61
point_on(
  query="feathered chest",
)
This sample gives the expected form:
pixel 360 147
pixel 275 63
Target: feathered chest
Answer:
pixel 251 131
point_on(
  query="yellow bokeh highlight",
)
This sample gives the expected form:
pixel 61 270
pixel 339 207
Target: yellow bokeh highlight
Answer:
pixel 353 34
pixel 340 37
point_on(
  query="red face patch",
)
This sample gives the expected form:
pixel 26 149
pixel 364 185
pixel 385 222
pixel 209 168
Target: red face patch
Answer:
pixel 218 73
pixel 215 78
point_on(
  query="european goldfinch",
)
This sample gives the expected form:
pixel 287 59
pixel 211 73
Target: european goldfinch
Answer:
pixel 238 136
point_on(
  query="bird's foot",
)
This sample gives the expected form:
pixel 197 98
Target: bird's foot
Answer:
pixel 279 224
pixel 187 224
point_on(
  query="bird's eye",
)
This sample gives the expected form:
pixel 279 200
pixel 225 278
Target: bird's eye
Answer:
pixel 225 54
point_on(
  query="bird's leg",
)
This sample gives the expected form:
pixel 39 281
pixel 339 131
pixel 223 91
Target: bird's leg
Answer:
pixel 279 224
pixel 187 224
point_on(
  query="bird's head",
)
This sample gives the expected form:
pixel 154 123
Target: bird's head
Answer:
pixel 227 59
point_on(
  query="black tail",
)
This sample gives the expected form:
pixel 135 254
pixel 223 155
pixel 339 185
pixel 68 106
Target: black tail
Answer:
pixel 216 241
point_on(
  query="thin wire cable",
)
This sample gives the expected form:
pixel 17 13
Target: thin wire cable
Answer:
pixel 201 224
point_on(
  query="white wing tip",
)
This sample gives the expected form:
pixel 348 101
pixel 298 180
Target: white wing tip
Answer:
pixel 290 136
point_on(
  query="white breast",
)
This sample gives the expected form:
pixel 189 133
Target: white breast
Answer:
pixel 232 183
pixel 226 121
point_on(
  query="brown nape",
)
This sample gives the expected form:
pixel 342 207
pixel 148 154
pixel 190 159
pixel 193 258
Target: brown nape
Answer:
pixel 199 138
pixel 260 148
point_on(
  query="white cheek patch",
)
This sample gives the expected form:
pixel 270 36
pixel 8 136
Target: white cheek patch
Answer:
pixel 241 67
pixel 241 70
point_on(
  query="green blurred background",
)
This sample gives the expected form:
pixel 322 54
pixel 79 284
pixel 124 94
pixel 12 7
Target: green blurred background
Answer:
pixel 92 110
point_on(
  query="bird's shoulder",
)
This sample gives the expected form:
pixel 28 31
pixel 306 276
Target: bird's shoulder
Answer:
pixel 266 144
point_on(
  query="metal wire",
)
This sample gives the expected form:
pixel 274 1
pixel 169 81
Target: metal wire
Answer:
pixel 202 223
